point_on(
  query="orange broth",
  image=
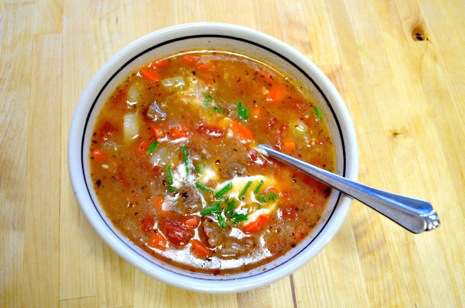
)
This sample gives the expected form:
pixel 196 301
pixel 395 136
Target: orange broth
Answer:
pixel 174 166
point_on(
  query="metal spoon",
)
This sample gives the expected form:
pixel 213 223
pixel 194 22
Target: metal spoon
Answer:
pixel 414 215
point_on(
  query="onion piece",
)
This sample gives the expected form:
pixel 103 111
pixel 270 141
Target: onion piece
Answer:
pixel 174 82
pixel 134 93
pixel 131 126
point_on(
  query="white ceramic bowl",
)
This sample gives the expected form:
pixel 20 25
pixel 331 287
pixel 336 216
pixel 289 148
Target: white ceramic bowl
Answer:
pixel 211 36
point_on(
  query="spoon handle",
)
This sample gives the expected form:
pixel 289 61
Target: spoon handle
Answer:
pixel 415 215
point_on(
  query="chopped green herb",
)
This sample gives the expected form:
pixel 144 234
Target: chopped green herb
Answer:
pixel 244 190
pixel 218 109
pixel 223 190
pixel 209 102
pixel 169 178
pixel 214 208
pixel 238 217
pixel 230 206
pixel 198 168
pixel 318 112
pixel 242 111
pixel 257 189
pixel 185 158
pixel 221 221
pixel 152 147
pixel 207 99
pixel 203 188
pixel 264 198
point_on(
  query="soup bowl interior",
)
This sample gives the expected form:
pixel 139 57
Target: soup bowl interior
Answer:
pixel 207 36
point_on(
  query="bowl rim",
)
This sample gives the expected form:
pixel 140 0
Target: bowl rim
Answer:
pixel 210 286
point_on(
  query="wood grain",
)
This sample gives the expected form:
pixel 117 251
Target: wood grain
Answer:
pixel 399 66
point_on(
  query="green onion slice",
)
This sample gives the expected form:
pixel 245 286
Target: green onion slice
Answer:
pixel 242 111
pixel 257 189
pixel 244 190
pixel 169 178
pixel 152 147
pixel 223 190
pixel 214 208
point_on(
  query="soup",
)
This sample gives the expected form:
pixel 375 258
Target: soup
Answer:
pixel 174 165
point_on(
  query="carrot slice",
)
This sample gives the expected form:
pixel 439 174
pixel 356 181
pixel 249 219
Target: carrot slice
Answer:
pixel 190 59
pixel 192 222
pixel 160 63
pixel 178 132
pixel 157 131
pixel 242 132
pixel 157 240
pixel 277 94
pixel 206 67
pixel 146 224
pixel 199 249
pixel 150 74
pixel 158 202
pixel 256 225
pixel 142 147
pixel 289 146
pixel 99 156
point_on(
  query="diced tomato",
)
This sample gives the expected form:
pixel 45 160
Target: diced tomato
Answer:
pixel 176 231
pixel 158 202
pixel 242 132
pixel 150 74
pixel 211 131
pixel 255 112
pixel 121 176
pixel 289 212
pixel 267 76
pixel 277 94
pixel 147 223
pixel 142 147
pixel 256 225
pixel 157 170
pixel 299 105
pixel 288 146
pixel 271 122
pixel 106 131
pixel 178 132
pixel 119 98
pixel 158 132
pixel 253 155
pixel 190 59
pixel 98 156
pixel 208 66
pixel 199 249
pixel 160 63
pixel 205 71
pixel 157 240
pixel 192 222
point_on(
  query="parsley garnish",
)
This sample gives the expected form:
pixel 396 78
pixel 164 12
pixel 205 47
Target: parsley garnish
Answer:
pixel 203 188
pixel 223 190
pixel 169 178
pixel 244 190
pixel 242 111
pixel 185 158
pixel 318 112
pixel 264 198
pixel 152 147
pixel 214 208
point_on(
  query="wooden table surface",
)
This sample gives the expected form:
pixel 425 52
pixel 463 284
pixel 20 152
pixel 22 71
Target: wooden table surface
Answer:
pixel 399 66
